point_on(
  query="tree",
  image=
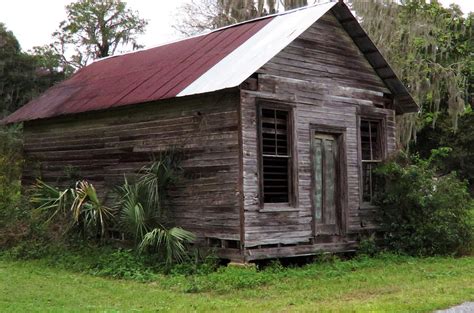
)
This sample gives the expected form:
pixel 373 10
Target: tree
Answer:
pixel 202 15
pixel 95 29
pixel 23 76
pixel 461 156
pixel 430 48
pixel 293 4
pixel 50 60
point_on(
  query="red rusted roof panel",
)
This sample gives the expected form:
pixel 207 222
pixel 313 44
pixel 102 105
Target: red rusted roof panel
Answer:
pixel 142 76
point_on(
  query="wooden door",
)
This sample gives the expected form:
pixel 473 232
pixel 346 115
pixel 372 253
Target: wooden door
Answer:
pixel 325 184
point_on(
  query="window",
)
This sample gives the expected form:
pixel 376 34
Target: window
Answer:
pixel 276 159
pixel 370 140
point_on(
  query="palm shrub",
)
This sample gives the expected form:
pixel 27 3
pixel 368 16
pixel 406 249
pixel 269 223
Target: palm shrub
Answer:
pixel 423 213
pixel 88 211
pixel 79 206
pixel 142 211
pixel 49 202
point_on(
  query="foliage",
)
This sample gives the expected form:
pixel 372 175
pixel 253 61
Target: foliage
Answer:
pixel 157 177
pixel 139 212
pixel 368 246
pixel 79 206
pixel 23 76
pixel 133 218
pixel 422 213
pixel 87 210
pixel 49 59
pixel 461 158
pixel 14 212
pixel 107 260
pixel 199 262
pixel 16 222
pixel 122 263
pixel 95 29
pixel 430 47
pixel 203 15
pixel 169 243
pixel 50 201
pixel 142 211
pixel 10 172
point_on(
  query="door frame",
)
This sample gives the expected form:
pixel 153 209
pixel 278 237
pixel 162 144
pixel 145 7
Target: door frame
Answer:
pixel 341 171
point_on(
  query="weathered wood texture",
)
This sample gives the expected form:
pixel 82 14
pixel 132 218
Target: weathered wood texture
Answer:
pixel 329 83
pixel 102 147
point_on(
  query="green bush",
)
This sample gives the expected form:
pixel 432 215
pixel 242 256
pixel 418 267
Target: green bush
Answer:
pixel 29 250
pixel 200 261
pixel 10 172
pixel 422 213
pixel 14 210
pixel 108 261
pixel 368 246
pixel 96 260
pixel 123 263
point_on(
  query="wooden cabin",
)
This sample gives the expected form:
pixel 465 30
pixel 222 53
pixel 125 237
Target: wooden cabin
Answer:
pixel 280 119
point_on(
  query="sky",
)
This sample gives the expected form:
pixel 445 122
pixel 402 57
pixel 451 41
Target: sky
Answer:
pixel 33 21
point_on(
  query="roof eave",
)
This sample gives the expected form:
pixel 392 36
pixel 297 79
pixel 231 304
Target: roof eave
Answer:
pixel 403 101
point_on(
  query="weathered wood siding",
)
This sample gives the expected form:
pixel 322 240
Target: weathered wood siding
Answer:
pixel 103 146
pixel 328 81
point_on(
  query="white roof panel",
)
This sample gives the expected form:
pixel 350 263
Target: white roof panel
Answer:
pixel 241 63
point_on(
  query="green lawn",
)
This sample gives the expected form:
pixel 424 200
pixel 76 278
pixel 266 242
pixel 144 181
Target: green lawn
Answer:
pixel 384 284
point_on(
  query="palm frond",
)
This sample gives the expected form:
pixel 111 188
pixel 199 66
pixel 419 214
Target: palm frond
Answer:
pixel 171 243
pixel 46 198
pixel 132 217
pixel 156 178
pixel 88 210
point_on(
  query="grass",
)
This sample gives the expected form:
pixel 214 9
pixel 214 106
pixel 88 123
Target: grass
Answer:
pixel 383 284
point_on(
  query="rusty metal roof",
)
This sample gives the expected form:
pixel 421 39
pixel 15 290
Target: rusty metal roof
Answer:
pixel 221 59
pixel 137 77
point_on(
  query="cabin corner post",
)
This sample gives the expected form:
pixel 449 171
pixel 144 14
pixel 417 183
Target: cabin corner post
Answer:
pixel 241 179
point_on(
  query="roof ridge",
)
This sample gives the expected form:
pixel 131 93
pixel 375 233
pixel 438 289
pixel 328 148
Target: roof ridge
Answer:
pixel 216 30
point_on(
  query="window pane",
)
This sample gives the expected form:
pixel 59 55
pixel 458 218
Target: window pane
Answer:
pixel 367 182
pixel 275 179
pixel 318 178
pixel 371 153
pixel 274 128
pixel 276 155
pixel 330 182
pixel 374 139
pixel 365 140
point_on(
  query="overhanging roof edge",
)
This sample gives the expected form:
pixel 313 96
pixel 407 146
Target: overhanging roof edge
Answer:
pixel 376 59
pixel 241 63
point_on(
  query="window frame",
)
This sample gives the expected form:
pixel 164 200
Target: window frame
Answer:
pixel 292 158
pixel 381 128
